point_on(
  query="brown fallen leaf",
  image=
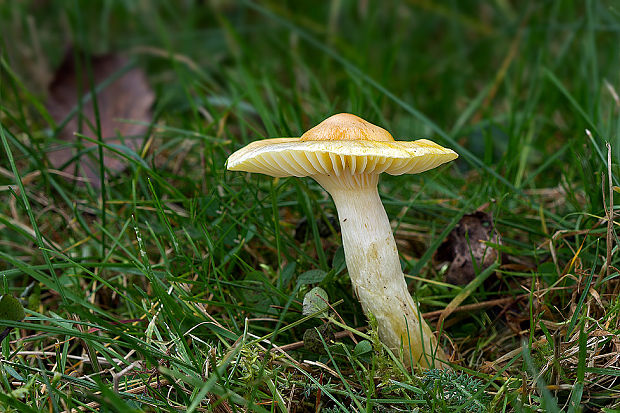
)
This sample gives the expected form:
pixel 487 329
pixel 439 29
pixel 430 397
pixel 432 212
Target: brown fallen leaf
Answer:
pixel 465 241
pixel 127 98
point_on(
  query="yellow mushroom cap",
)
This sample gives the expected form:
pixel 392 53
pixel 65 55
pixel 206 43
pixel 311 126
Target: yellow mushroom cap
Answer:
pixel 341 143
pixel 346 127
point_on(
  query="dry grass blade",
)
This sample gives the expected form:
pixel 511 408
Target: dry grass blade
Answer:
pixel 609 211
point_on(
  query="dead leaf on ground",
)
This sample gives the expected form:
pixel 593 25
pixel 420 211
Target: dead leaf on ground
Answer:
pixel 127 98
pixel 465 241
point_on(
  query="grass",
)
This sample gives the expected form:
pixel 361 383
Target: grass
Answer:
pixel 179 286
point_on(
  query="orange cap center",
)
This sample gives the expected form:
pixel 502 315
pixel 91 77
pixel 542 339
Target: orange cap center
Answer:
pixel 346 127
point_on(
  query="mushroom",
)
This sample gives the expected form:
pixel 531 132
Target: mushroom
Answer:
pixel 345 154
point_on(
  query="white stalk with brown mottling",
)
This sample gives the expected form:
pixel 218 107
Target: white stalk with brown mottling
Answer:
pixel 374 267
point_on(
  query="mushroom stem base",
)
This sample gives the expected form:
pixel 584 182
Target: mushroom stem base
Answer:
pixel 376 274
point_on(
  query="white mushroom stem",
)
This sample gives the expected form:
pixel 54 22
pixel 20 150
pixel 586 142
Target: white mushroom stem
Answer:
pixel 375 271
